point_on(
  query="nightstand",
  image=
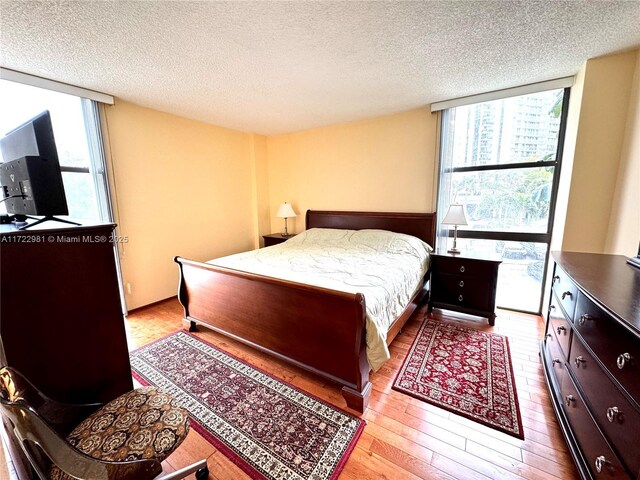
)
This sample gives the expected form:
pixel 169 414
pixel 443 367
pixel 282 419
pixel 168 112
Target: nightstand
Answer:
pixel 464 284
pixel 275 239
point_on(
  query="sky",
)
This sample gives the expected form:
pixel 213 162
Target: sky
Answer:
pixel 20 103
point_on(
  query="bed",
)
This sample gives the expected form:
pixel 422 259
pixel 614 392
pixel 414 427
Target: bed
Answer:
pixel 316 328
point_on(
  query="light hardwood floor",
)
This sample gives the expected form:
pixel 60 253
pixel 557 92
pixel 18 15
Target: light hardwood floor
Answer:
pixel 404 437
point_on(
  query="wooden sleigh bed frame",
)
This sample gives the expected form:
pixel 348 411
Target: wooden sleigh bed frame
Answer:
pixel 318 329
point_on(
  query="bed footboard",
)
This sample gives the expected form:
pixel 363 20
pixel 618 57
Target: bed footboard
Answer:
pixel 318 329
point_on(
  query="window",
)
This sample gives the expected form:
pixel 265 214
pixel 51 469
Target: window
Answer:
pixel 501 160
pixel 77 133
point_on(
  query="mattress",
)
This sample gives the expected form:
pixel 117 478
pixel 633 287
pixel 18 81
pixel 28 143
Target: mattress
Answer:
pixel 387 268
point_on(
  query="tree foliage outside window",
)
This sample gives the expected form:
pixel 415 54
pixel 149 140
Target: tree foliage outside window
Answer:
pixel 505 199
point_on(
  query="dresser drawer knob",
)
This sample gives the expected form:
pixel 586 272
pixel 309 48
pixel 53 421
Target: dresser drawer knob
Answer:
pixel 462 269
pixel 556 278
pixel 568 399
pixel 579 359
pixel 561 329
pixel 600 462
pixel 460 298
pixel 583 318
pixel 461 283
pixel 567 294
pixel 555 360
pixel 623 359
pixel 613 414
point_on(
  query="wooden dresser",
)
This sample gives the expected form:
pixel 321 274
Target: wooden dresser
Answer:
pixel 591 358
pixel 61 319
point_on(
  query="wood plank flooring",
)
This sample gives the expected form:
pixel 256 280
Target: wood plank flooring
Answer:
pixel 404 437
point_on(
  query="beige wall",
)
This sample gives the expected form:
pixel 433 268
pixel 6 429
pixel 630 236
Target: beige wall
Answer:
pixel 568 154
pixel 382 164
pixel 260 180
pixel 624 226
pixel 183 188
pixel 186 188
pixel 600 136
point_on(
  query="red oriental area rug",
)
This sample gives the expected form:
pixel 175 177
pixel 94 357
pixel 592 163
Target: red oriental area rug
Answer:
pixel 270 429
pixel 465 371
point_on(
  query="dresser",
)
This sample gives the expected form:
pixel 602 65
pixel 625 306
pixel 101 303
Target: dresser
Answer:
pixel 62 323
pixel 464 284
pixel 591 358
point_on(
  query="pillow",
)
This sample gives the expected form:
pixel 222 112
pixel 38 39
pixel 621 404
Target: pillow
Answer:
pixel 378 240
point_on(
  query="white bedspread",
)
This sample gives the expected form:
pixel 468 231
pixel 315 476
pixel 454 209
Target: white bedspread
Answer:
pixel 387 268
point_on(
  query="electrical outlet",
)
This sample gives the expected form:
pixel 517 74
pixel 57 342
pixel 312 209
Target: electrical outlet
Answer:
pixel 129 288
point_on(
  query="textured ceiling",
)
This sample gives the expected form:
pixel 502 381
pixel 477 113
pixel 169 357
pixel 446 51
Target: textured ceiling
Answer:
pixel 273 67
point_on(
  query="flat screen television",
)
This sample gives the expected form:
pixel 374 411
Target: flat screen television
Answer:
pixel 30 176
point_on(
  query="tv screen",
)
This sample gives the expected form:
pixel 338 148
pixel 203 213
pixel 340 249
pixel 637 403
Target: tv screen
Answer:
pixel 30 176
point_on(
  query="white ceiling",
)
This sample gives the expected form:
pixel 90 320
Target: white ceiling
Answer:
pixel 274 67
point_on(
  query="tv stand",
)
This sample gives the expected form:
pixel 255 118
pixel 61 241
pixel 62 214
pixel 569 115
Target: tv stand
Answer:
pixel 38 221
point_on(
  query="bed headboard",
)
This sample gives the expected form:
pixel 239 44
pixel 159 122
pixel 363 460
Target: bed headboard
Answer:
pixel 421 225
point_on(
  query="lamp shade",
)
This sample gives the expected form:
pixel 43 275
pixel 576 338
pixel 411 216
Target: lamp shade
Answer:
pixel 285 211
pixel 455 216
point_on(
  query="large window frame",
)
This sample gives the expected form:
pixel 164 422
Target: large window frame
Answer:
pixel 444 199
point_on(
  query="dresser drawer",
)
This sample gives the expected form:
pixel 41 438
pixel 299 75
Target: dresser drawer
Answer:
pixel 556 356
pixel 462 291
pixel 468 267
pixel 616 348
pixel 560 326
pixel 599 457
pixel 617 418
pixel 566 291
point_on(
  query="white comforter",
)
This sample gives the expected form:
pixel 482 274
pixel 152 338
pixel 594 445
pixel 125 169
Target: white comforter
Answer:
pixel 386 267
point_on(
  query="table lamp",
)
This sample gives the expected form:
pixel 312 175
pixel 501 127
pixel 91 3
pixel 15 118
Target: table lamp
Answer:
pixel 285 211
pixel 455 216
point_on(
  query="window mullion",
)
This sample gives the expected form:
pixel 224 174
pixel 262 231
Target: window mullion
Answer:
pixel 74 169
pixel 507 236
pixel 507 166
pixel 96 159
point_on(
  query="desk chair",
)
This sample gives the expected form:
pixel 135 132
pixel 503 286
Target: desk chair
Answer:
pixel 126 439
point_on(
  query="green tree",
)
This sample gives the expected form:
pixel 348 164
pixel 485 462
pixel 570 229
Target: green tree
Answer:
pixel 556 108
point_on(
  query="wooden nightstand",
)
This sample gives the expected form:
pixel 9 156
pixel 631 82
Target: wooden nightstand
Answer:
pixel 275 238
pixel 464 284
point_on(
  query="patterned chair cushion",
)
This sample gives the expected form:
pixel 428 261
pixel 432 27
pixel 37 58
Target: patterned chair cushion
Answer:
pixel 141 424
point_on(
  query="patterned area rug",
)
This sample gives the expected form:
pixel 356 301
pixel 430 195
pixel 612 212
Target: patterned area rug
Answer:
pixel 465 371
pixel 268 428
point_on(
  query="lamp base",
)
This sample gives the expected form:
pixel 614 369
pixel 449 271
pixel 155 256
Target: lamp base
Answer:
pixel 454 248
